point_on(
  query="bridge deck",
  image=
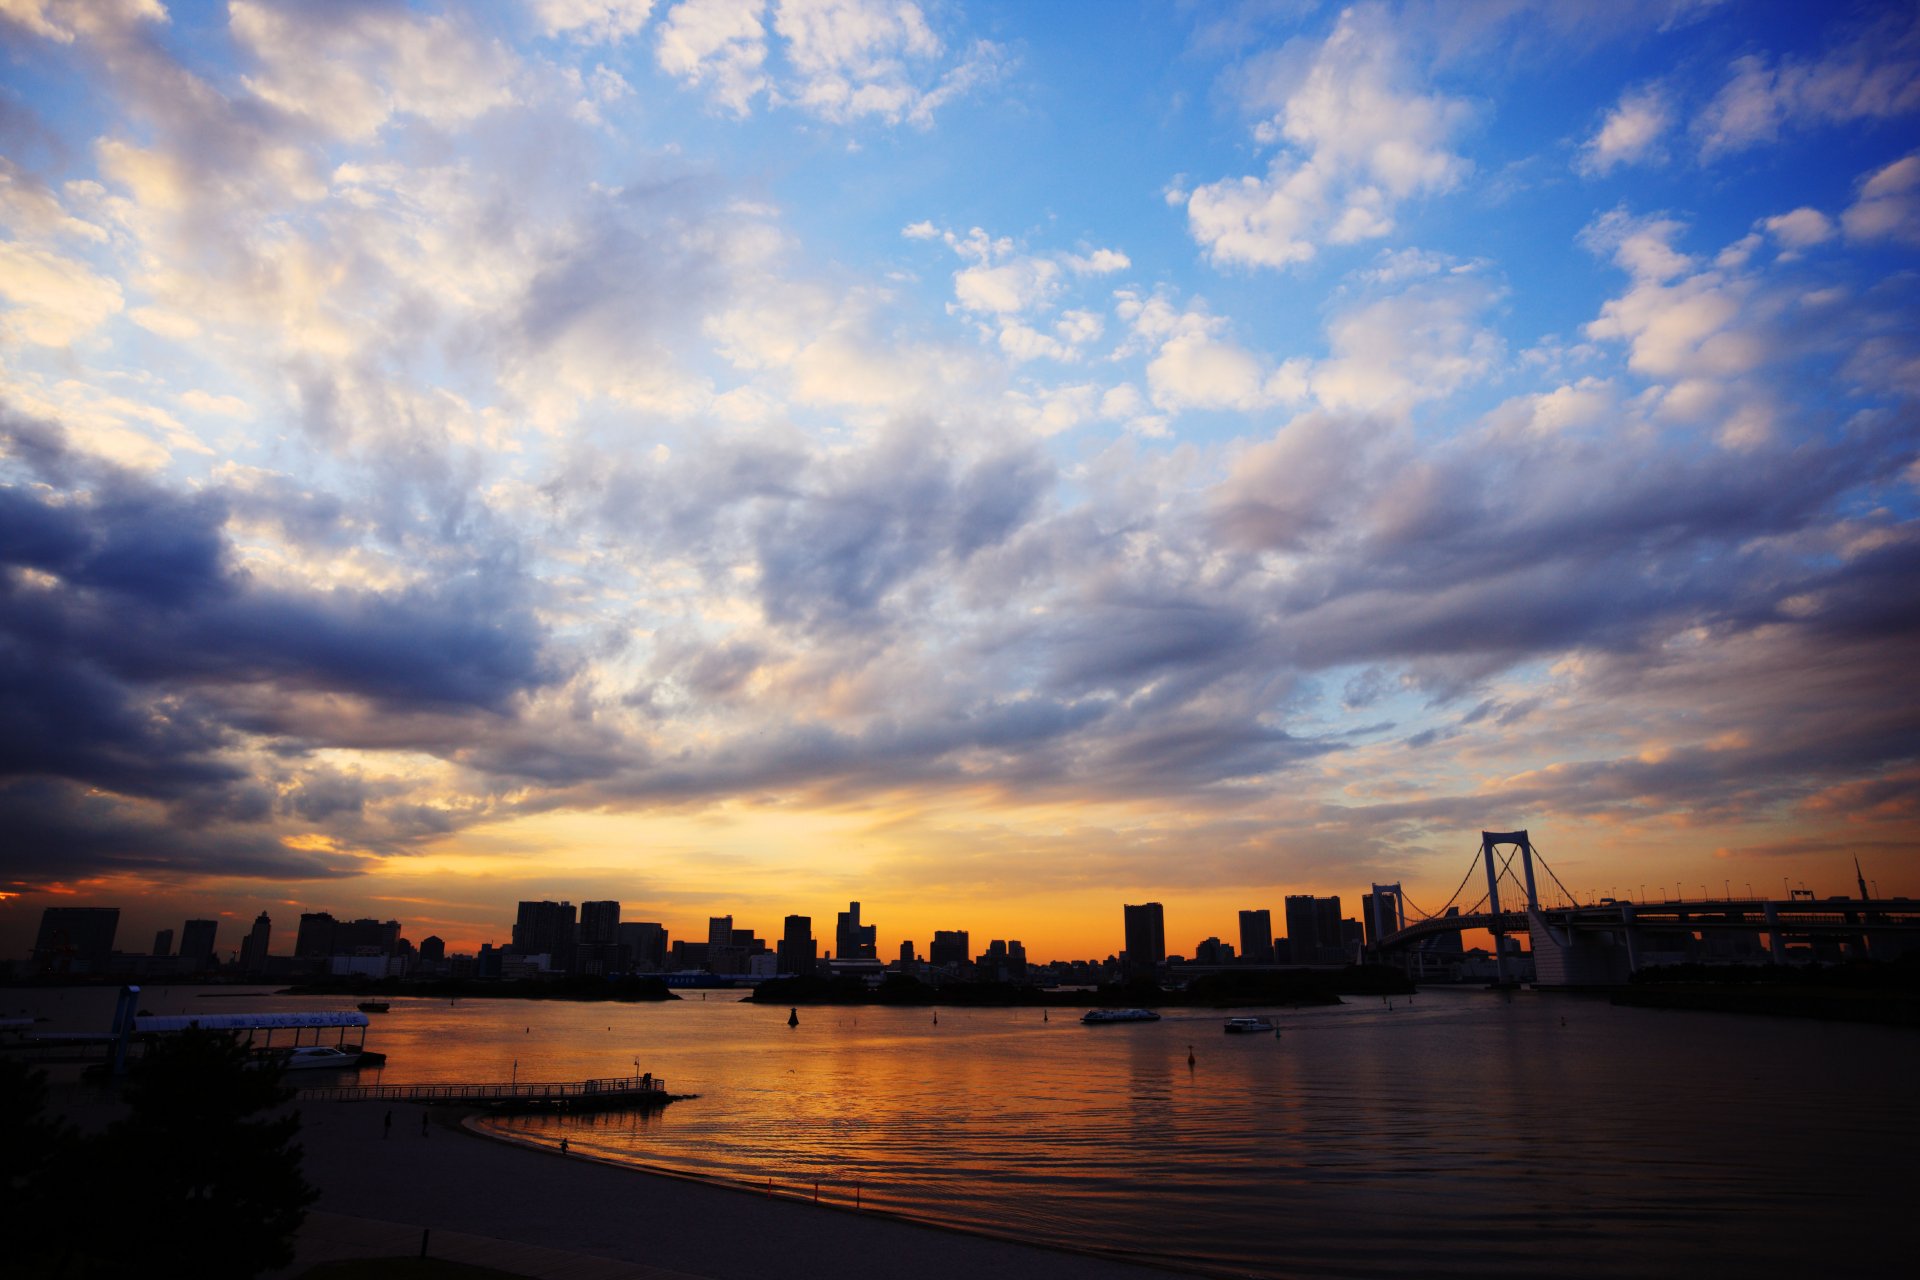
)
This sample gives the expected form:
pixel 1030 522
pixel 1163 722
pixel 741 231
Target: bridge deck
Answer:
pixel 578 1095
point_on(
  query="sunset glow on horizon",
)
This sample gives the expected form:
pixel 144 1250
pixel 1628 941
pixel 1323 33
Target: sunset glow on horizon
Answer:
pixel 993 462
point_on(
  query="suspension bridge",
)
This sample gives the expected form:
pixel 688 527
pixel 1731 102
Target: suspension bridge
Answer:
pixel 1605 942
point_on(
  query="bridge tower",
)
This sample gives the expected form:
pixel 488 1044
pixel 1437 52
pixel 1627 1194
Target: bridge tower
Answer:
pixel 1489 839
pixel 1386 912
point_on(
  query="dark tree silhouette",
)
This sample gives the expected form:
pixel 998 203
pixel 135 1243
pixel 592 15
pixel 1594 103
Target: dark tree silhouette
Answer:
pixel 39 1159
pixel 203 1171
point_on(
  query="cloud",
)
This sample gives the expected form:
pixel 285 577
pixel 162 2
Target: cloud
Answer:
pixel 718 45
pixel 1357 142
pixel 1888 206
pixel 593 21
pixel 1630 134
pixel 1873 73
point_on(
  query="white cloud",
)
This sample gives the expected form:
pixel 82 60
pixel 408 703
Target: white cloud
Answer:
pixel 53 300
pixel 1019 285
pixel 1631 132
pixel 1875 75
pixel 719 45
pixel 1888 206
pixel 1396 352
pixel 350 70
pixel 593 21
pixel 1357 141
pixel 1800 229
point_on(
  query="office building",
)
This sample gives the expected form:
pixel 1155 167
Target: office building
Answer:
pixel 433 949
pixel 949 949
pixel 197 943
pixel 163 943
pixel 1256 937
pixel 1213 951
pixel 1146 938
pixel 646 944
pixel 599 923
pixel 75 939
pixel 853 940
pixel 545 928
pixel 1314 933
pixel 314 941
pixel 253 947
pixel 797 952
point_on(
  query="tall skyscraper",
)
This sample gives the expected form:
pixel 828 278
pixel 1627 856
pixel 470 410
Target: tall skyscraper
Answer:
pixel 314 941
pixel 197 942
pixel 798 952
pixel 1313 930
pixel 163 943
pixel 75 939
pixel 1146 938
pixel 1256 937
pixel 545 928
pixel 253 947
pixel 599 923
pixel 949 949
pixel 646 944
pixel 853 940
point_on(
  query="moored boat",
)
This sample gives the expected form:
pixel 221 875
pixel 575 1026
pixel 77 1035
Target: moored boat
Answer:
pixel 374 1006
pixel 1095 1017
pixel 1247 1026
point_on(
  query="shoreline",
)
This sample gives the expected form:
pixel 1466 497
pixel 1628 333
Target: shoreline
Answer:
pixel 438 1171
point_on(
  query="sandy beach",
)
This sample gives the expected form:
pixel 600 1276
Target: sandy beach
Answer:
pixel 536 1212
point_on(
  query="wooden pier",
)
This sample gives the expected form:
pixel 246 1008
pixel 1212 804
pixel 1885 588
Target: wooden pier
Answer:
pixel 571 1095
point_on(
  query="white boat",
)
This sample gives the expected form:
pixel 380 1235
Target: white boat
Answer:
pixel 1097 1016
pixel 319 1057
pixel 1247 1026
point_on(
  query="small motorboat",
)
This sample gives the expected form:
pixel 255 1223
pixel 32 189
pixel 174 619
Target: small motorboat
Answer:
pixel 1248 1026
pixel 374 1006
pixel 322 1057
pixel 1097 1017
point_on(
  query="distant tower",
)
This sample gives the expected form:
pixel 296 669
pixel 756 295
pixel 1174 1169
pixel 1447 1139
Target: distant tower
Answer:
pixel 197 942
pixel 75 939
pixel 163 943
pixel 253 947
pixel 797 952
pixel 853 940
pixel 1146 934
pixel 1256 937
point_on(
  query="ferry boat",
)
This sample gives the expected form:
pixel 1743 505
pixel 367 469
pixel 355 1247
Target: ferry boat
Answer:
pixel 1094 1017
pixel 1247 1026
pixel 322 1057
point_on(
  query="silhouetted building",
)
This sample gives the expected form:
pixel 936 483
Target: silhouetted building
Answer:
pixel 600 923
pixel 798 952
pixel 1213 951
pixel 853 940
pixel 687 955
pixel 75 939
pixel 720 954
pixel 1256 937
pixel 906 955
pixel 314 941
pixel 163 943
pixel 197 943
pixel 253 947
pixel 1146 938
pixel 545 928
pixel 949 949
pixel 1313 930
pixel 646 944
pixel 433 949
pixel 366 937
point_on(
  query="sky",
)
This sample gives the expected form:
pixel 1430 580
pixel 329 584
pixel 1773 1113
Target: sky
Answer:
pixel 993 461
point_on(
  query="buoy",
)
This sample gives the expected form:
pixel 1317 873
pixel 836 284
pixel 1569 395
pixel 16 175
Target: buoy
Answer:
pixel 793 1017
pixel 1189 1055
pixel 936 1017
pixel 1043 1015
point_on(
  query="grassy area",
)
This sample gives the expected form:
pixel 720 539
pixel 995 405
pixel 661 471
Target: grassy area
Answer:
pixel 404 1269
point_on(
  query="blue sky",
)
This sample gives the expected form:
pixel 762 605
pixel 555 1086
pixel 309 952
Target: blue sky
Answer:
pixel 989 460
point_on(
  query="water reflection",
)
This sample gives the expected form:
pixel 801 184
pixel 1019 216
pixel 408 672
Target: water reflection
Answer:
pixel 1460 1133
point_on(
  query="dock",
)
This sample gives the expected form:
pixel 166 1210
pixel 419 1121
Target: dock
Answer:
pixel 607 1094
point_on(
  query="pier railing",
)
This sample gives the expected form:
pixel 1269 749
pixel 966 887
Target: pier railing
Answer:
pixel 568 1092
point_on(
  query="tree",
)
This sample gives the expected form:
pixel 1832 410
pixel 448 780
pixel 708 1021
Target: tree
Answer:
pixel 204 1169
pixel 37 1170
